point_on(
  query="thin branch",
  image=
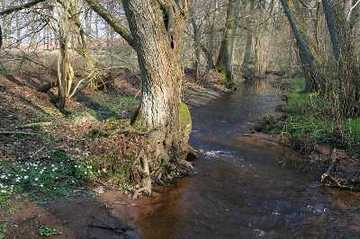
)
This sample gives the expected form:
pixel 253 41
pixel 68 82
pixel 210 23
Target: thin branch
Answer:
pixel 352 9
pixel 111 20
pixel 20 7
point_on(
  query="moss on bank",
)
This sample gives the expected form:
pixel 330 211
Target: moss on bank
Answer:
pixel 309 122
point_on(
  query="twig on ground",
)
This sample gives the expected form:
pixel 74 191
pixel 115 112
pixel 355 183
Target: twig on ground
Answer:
pixel 35 124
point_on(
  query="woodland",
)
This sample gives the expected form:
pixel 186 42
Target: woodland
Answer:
pixel 109 107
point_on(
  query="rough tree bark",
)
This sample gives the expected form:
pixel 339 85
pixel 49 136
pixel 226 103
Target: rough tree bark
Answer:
pixel 156 29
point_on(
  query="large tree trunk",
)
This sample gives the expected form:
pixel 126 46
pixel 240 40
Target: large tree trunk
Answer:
pixel 157 31
pixel 308 60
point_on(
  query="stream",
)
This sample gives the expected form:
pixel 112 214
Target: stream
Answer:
pixel 240 191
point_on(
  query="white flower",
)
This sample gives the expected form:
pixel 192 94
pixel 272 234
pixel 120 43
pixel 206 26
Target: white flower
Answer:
pixel 36 179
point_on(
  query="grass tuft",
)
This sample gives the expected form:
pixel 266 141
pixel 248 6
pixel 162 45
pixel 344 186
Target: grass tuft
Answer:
pixel 309 121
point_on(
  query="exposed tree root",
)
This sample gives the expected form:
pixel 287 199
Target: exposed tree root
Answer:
pixel 330 179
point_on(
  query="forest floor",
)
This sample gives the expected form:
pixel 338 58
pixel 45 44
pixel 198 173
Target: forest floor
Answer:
pixel 304 123
pixel 53 165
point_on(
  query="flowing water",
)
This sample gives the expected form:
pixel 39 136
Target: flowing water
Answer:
pixel 240 191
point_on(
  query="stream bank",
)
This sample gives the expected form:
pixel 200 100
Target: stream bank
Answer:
pixel 303 122
pixel 237 191
pixel 47 160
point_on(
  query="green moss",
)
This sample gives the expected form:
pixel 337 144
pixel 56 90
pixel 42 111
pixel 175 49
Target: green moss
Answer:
pixel 185 119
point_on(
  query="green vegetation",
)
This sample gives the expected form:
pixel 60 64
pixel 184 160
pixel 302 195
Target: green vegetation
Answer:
pixel 112 170
pixel 104 106
pixel 44 179
pixel 46 231
pixel 309 121
pixel 59 174
pixel 2 230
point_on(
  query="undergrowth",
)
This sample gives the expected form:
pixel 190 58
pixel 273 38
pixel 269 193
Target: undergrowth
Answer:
pixel 309 121
pixel 46 231
pixel 42 179
pixel 2 230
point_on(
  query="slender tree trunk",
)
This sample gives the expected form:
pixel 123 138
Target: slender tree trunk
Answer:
pixel 209 57
pixel 308 60
pixel 65 70
pixel 345 86
pixel 210 50
pixel 88 22
pixel 224 60
pixel 248 66
pixel 330 16
pixel 197 47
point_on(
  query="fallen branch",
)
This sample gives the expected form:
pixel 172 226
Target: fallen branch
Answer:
pixel 330 181
pixel 34 125
pixel 37 151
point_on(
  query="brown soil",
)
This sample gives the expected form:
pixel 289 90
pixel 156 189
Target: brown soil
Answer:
pixel 81 217
pixel 85 215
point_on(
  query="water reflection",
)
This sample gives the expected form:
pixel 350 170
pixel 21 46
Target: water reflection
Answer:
pixel 239 190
